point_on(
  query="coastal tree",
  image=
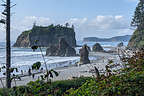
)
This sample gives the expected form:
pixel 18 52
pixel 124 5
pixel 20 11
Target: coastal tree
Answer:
pixel 67 24
pixel 73 27
pixel 8 45
pixel 7 18
pixel 138 18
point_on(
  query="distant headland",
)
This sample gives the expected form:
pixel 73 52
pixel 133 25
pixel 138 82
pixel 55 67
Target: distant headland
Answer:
pixel 124 38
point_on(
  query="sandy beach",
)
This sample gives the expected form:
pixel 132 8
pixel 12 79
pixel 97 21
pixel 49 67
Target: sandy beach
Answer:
pixel 70 72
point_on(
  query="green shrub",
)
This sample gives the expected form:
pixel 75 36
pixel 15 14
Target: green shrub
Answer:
pixel 41 88
pixel 129 82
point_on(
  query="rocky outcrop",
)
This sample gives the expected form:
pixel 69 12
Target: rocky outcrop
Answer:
pixel 51 51
pixel 23 40
pixel 98 48
pixel 137 40
pixel 63 49
pixel 120 44
pixel 84 53
pixel 70 52
pixel 46 36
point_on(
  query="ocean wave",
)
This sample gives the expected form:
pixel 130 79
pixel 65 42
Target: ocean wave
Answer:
pixel 49 60
pixel 21 54
pixel 18 53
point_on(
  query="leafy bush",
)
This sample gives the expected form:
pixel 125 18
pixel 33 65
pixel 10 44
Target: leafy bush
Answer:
pixel 41 88
pixel 129 82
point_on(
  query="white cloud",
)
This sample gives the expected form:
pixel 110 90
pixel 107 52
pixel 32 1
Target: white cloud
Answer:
pixel 77 21
pixel 100 26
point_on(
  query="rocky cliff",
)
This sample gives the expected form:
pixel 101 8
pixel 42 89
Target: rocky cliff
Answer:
pixel 46 36
pixel 137 40
pixel 63 49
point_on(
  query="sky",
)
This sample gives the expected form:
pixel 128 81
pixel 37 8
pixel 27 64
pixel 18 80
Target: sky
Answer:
pixel 91 18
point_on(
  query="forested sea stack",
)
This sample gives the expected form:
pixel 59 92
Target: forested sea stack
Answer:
pixel 46 36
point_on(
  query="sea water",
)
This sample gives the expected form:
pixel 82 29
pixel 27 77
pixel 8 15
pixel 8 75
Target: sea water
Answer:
pixel 23 58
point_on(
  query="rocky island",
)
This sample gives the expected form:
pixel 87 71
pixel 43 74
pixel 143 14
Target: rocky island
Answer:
pixel 46 36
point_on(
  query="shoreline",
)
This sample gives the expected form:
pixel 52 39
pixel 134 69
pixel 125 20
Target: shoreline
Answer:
pixel 72 71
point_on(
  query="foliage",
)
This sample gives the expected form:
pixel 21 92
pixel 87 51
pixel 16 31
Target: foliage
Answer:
pixel 41 88
pixel 26 32
pixel 137 40
pixel 34 48
pixel 138 16
pixel 36 66
pixel 129 82
pixel 4 92
pixel 51 28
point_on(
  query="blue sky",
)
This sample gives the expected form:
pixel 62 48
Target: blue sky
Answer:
pixel 99 18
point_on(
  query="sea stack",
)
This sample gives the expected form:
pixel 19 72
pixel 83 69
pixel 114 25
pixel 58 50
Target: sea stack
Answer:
pixel 63 49
pixel 84 54
pixel 46 36
pixel 120 44
pixel 98 48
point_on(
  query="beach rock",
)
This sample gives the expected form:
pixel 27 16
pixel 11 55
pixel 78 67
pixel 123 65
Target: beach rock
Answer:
pixel 98 48
pixel 84 53
pixel 51 51
pixel 63 49
pixel 120 44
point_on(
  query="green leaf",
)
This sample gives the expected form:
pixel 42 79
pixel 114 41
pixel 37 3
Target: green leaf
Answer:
pixel 3 21
pixel 4 73
pixel 34 48
pixel 12 69
pixel 36 66
pixel 50 73
pixel 56 73
pixel 42 77
pixel 3 67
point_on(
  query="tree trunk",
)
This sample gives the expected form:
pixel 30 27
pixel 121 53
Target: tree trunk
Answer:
pixel 8 46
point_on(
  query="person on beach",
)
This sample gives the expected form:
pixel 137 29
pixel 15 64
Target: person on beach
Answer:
pixel 29 72
pixel 33 75
pixel 22 72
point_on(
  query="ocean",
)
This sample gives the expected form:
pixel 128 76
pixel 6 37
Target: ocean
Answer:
pixel 23 58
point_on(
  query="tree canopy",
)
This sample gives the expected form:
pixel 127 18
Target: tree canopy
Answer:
pixel 138 18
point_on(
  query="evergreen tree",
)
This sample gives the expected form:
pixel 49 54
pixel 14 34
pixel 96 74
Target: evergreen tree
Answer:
pixel 72 26
pixel 67 24
pixel 138 18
